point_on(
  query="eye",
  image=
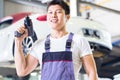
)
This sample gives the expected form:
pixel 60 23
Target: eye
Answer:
pixel 49 12
pixel 58 11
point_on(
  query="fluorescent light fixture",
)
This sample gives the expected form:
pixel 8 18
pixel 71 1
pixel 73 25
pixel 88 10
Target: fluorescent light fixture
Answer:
pixel 45 1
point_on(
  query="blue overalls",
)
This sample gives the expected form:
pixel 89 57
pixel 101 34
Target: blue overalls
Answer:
pixel 57 65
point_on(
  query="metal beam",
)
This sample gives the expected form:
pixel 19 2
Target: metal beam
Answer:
pixel 73 8
pixel 100 7
pixel 30 3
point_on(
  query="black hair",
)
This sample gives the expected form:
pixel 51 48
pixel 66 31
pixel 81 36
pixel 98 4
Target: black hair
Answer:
pixel 61 3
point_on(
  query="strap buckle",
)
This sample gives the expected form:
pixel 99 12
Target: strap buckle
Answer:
pixel 68 43
pixel 47 45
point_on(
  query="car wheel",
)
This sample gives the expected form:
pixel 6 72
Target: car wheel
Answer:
pixel 26 44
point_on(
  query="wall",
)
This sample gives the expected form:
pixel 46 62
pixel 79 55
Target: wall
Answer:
pixel 13 7
pixel 1 8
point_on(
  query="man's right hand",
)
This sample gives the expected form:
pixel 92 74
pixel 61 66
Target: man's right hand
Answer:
pixel 22 30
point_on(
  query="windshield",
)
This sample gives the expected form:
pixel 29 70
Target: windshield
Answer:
pixel 5 24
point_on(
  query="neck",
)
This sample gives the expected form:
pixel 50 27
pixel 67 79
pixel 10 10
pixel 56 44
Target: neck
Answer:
pixel 57 34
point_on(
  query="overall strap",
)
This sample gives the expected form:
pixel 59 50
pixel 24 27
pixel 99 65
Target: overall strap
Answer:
pixel 69 41
pixel 47 43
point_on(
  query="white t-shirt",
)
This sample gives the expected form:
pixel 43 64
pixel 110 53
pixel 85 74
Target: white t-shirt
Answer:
pixel 80 47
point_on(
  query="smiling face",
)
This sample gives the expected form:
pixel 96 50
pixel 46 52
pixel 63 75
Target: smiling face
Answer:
pixel 56 17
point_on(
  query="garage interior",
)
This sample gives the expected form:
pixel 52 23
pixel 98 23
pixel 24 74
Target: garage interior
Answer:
pixel 106 12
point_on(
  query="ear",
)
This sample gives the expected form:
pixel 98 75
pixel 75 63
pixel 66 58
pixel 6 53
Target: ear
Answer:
pixel 67 17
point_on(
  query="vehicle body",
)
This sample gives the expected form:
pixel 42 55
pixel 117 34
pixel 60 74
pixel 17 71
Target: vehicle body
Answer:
pixel 94 32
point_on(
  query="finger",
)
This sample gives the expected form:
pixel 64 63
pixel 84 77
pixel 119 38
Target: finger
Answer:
pixel 26 32
pixel 21 29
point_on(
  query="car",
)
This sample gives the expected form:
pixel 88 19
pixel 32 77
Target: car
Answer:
pixel 95 32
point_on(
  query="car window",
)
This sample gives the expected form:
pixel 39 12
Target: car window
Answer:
pixel 5 24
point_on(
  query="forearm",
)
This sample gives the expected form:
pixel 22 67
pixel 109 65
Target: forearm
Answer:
pixel 93 76
pixel 20 61
pixel 90 67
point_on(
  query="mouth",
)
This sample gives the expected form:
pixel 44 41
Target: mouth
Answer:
pixel 54 20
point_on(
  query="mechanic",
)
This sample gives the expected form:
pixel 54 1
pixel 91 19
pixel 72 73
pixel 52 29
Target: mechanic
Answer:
pixel 60 54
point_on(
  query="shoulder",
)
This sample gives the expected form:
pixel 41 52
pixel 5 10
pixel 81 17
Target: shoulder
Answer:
pixel 79 38
pixel 80 41
pixel 82 44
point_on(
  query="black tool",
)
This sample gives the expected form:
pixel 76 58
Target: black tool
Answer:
pixel 28 26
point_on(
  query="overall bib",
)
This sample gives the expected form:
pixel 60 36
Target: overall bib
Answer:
pixel 57 65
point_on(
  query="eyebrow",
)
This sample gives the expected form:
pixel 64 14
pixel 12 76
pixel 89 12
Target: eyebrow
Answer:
pixel 56 10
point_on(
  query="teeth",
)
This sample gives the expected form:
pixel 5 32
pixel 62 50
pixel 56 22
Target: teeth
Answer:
pixel 54 21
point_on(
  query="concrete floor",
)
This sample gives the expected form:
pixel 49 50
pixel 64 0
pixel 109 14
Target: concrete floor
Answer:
pixel 34 76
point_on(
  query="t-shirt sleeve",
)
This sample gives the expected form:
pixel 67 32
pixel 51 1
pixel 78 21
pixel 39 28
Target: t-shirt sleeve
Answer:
pixel 85 47
pixel 36 49
pixel 33 51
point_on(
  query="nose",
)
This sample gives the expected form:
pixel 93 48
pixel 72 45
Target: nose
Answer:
pixel 54 15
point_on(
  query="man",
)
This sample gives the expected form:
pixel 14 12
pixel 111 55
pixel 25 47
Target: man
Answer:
pixel 60 54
